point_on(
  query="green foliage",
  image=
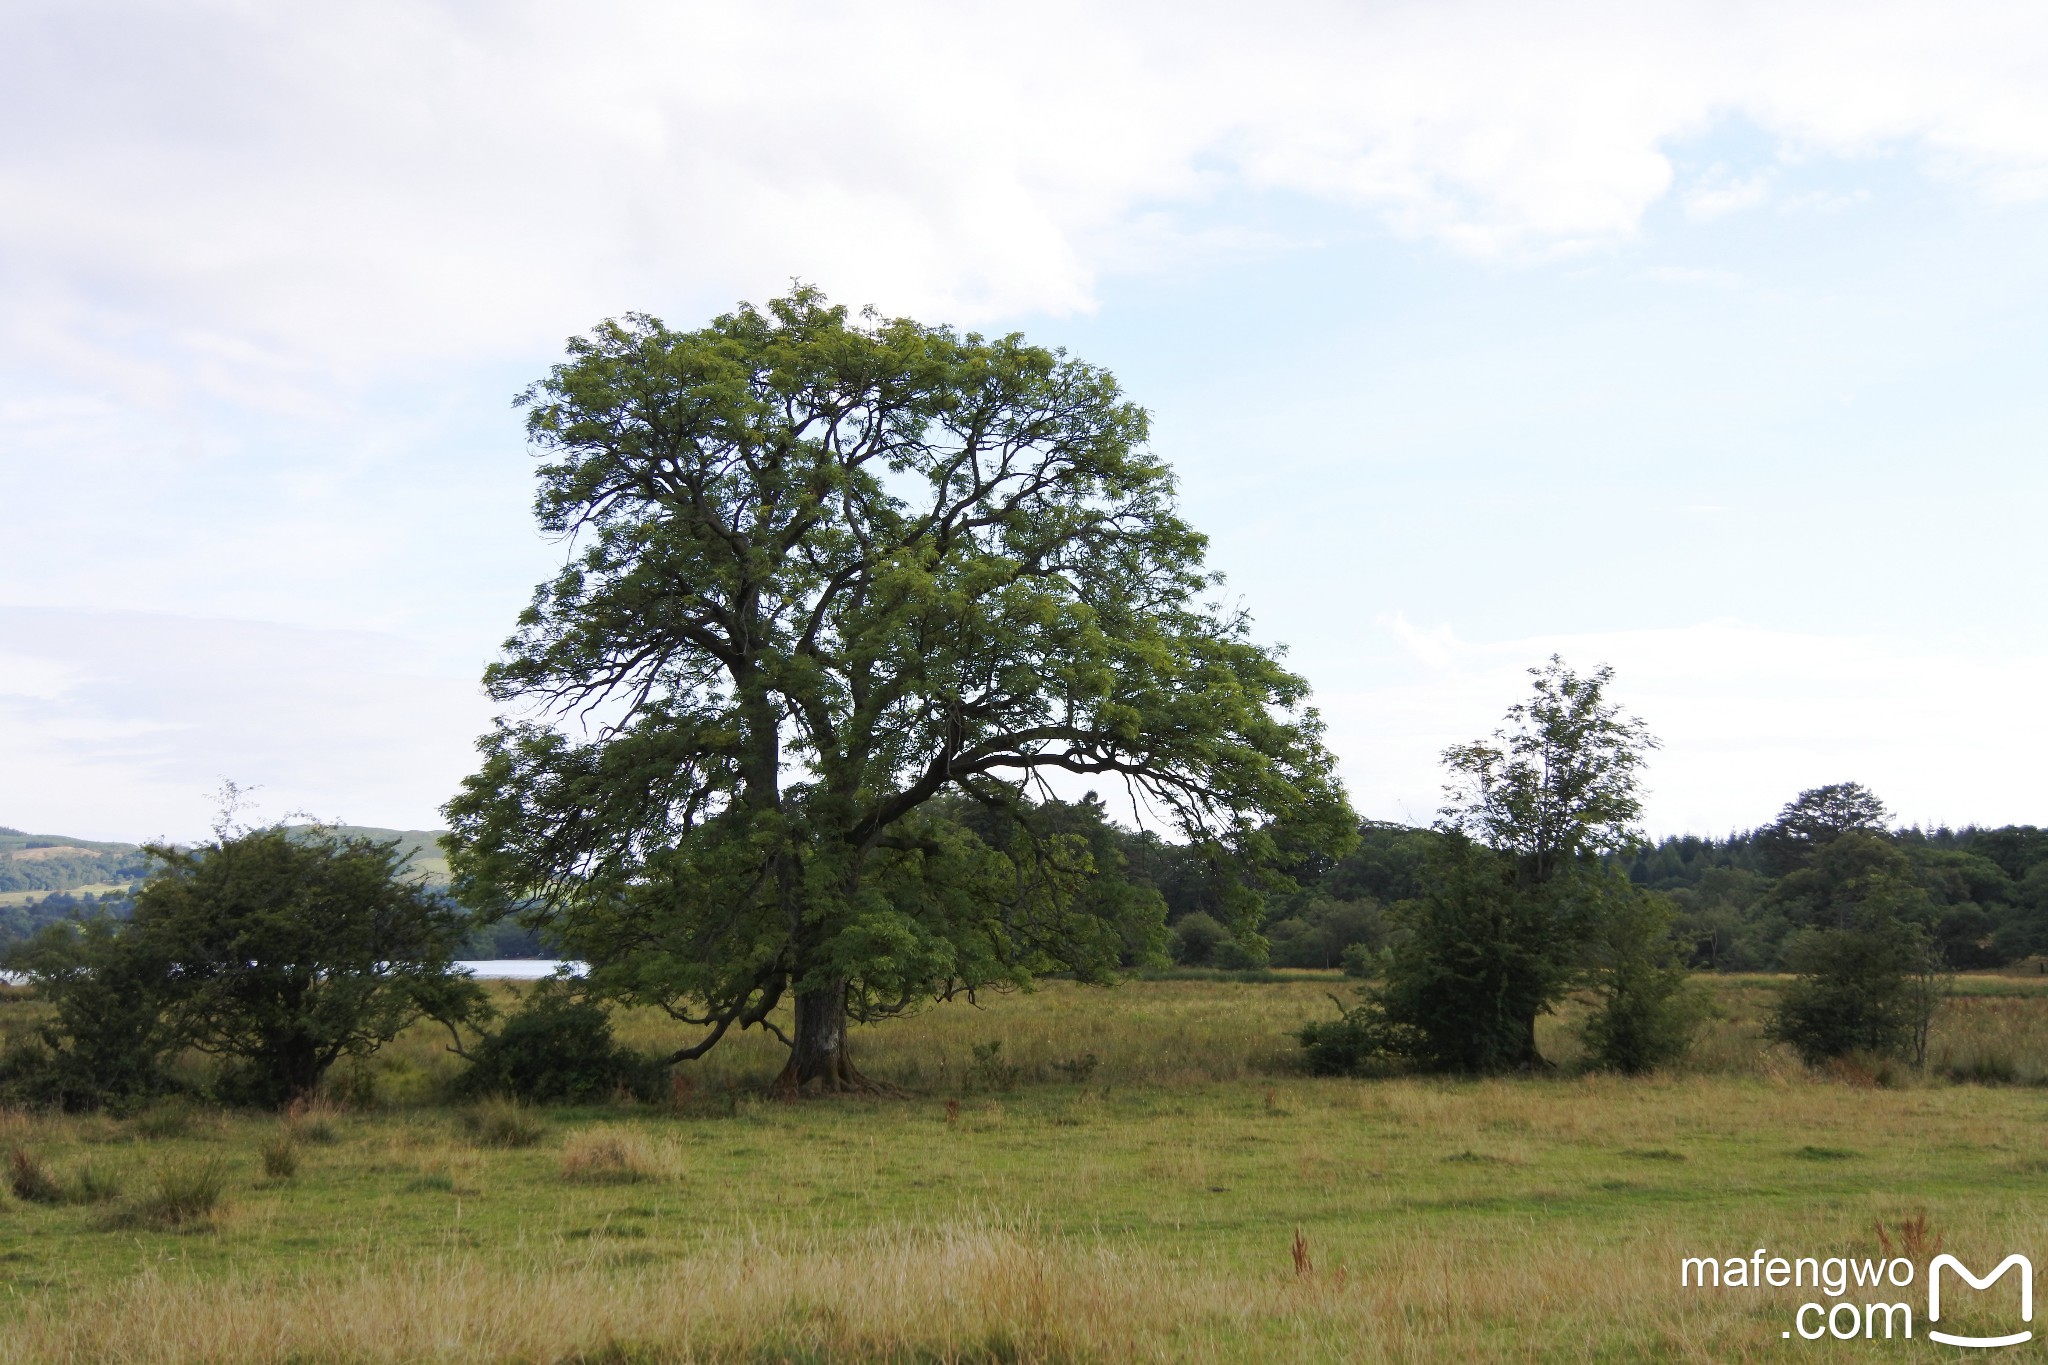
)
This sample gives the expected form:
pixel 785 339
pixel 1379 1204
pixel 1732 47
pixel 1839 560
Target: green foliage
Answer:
pixel 1557 783
pixel 1814 819
pixel 1361 1041
pixel 829 571
pixel 989 1071
pixel 1517 905
pixel 558 1048
pixel 1862 989
pixel 1646 1008
pixel 1480 956
pixel 1196 938
pixel 278 950
pixel 107 1042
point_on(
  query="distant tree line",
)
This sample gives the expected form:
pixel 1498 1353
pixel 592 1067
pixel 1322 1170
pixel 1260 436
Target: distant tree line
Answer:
pixel 1981 895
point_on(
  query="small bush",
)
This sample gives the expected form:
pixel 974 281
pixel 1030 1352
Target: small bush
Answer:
pixel 559 1049
pixel 31 1180
pixel 610 1156
pixel 989 1071
pixel 1361 1041
pixel 281 1157
pixel 1858 991
pixel 503 1123
pixel 1647 1007
pixel 1194 938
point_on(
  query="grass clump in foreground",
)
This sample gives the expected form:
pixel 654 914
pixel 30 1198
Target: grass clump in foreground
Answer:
pixel 1145 1212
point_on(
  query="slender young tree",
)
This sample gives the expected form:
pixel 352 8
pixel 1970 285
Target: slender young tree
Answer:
pixel 1518 893
pixel 824 572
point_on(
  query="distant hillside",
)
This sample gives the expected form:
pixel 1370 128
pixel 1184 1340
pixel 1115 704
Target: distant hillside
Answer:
pixel 35 863
pixel 422 847
pixel 58 862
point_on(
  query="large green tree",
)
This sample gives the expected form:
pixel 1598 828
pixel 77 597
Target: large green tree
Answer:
pixel 825 571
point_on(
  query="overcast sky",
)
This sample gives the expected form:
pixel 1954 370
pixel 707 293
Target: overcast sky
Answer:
pixel 1705 340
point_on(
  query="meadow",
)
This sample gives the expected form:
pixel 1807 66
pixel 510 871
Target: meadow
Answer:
pixel 1074 1173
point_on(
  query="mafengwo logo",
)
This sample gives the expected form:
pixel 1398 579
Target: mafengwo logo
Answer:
pixel 1862 1296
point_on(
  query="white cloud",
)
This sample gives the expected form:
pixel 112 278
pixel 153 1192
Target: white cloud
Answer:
pixel 249 197
pixel 118 725
pixel 1747 717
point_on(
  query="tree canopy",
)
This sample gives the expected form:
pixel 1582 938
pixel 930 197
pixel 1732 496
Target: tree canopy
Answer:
pixel 826 571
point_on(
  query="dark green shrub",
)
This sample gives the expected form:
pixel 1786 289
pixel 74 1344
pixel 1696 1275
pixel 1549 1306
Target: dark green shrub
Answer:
pixel 1194 939
pixel 1858 990
pixel 1647 1008
pixel 559 1049
pixel 1361 1041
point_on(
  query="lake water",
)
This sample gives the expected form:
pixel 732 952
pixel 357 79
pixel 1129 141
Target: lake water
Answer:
pixel 517 968
pixel 492 969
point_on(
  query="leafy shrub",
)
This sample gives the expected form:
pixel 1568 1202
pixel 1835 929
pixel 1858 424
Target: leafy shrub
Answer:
pixel 559 1049
pixel 1363 962
pixel 989 1071
pixel 1194 939
pixel 1648 1008
pixel 1858 990
pixel 503 1123
pixel 1361 1041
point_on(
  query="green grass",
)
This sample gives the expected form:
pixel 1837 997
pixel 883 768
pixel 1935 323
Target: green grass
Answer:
pixel 1148 1213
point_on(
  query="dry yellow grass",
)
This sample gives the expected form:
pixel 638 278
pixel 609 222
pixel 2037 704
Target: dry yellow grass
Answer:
pixel 962 1292
pixel 616 1155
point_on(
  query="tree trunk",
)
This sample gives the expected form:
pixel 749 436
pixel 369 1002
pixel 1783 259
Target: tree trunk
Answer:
pixel 817 1060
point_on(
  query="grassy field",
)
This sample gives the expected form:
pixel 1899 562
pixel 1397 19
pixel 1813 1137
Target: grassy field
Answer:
pixel 1029 1204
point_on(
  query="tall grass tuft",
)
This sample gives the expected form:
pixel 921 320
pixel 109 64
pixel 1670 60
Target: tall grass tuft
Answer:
pixel 94 1186
pixel 614 1156
pixel 185 1195
pixel 503 1123
pixel 312 1121
pixel 31 1180
pixel 281 1156
pixel 163 1122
